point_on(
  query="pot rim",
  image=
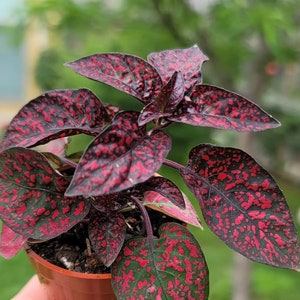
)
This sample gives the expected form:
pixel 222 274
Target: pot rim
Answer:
pixel 58 269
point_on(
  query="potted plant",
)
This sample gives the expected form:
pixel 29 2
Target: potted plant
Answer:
pixel 126 215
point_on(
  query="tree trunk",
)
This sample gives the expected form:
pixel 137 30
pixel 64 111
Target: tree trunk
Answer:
pixel 241 278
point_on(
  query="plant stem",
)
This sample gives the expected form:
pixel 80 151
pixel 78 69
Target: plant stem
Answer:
pixel 68 162
pixel 146 220
pixel 173 164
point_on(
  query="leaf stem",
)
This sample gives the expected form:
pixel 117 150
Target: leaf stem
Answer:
pixel 174 164
pixel 68 162
pixel 146 219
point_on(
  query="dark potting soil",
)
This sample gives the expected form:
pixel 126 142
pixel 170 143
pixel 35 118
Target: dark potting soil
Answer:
pixel 73 250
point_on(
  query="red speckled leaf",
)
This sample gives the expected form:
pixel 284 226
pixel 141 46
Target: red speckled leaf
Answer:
pixel 163 204
pixel 173 267
pixel 54 115
pixel 10 242
pixel 166 188
pixel 243 205
pixel 215 107
pixel 119 158
pixel 32 200
pixel 189 61
pixel 107 234
pixel 107 203
pixel 127 73
pixel 165 102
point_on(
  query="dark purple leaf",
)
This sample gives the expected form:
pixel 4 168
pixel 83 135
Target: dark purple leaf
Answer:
pixel 119 158
pixel 107 203
pixel 188 61
pixel 215 107
pixel 151 113
pixel 176 87
pixel 165 102
pixel 32 201
pixel 243 205
pixel 107 234
pixel 54 115
pixel 173 267
pixel 10 242
pixel 127 73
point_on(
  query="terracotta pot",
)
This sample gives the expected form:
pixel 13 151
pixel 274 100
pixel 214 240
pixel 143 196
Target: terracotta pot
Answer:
pixel 62 284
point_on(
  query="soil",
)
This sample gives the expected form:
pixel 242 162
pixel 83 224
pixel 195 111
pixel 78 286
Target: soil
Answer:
pixel 73 251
